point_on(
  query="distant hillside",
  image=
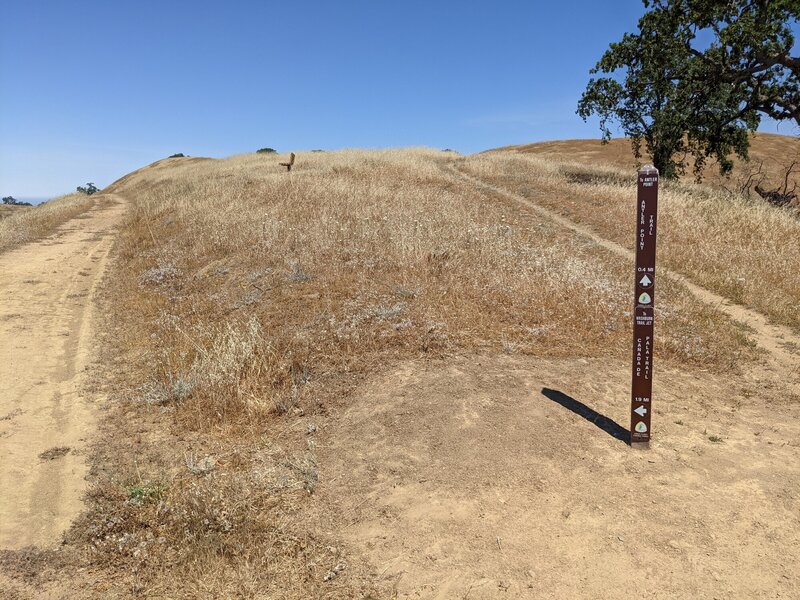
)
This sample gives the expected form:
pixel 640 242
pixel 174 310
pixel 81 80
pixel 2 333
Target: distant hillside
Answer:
pixel 160 166
pixel 776 151
pixel 6 210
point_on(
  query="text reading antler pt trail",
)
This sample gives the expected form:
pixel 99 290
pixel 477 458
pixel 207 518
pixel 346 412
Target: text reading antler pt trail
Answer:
pixel 644 299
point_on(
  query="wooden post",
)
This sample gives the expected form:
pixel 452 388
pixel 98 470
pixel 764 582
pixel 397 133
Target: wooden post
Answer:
pixel 289 164
pixel 643 303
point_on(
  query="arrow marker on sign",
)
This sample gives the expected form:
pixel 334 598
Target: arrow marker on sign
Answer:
pixel 641 411
pixel 645 281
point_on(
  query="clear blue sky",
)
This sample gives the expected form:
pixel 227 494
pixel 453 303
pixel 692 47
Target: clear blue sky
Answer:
pixel 94 89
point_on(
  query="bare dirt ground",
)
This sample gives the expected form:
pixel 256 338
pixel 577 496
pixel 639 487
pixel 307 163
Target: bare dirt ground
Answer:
pixel 504 477
pixel 46 418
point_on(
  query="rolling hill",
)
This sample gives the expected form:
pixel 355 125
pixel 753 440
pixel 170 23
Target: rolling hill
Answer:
pixel 7 210
pixel 405 373
pixel 775 152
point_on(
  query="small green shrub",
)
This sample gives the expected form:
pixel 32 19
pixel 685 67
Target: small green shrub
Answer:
pixel 178 155
pixel 88 190
pixel 266 151
pixel 139 493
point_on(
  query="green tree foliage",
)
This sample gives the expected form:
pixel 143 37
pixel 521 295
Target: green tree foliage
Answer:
pixel 697 78
pixel 265 151
pixel 89 189
pixel 11 201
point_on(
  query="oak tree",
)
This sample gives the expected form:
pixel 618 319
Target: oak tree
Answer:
pixel 697 78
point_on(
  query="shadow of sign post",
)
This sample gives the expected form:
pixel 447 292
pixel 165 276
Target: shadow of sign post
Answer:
pixel 610 426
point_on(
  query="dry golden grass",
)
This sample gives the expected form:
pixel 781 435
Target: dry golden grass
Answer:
pixel 28 224
pixel 10 210
pixel 770 153
pixel 743 249
pixel 246 300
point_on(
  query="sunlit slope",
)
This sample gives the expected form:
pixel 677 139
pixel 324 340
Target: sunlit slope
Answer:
pixel 7 211
pixel 777 152
pixel 740 247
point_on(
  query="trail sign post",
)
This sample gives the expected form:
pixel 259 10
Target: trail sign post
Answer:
pixel 643 302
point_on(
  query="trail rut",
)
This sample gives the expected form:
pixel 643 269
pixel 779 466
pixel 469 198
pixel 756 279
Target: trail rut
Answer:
pixel 46 416
pixel 780 342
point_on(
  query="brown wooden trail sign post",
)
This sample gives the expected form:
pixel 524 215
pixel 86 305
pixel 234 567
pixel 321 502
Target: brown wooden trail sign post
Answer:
pixel 644 300
pixel 289 164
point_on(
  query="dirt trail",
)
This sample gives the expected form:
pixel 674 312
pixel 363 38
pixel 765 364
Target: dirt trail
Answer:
pixel 46 313
pixel 780 342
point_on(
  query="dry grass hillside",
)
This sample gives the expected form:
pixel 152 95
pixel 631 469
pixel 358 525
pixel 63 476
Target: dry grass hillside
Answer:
pixel 374 378
pixel 771 153
pixel 21 224
pixel 736 246
pixel 7 211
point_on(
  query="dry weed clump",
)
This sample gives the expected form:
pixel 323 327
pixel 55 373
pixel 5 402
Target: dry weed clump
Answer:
pixel 210 533
pixel 738 247
pixel 247 299
pixel 39 221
